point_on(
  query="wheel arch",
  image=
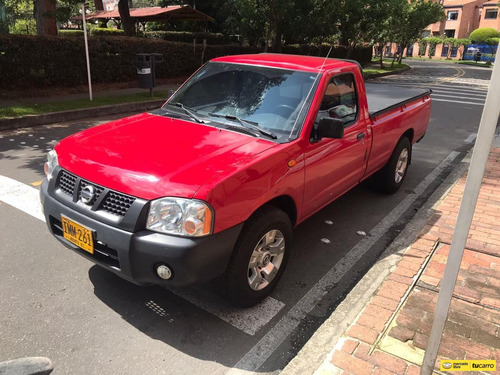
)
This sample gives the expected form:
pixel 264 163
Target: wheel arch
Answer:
pixel 285 203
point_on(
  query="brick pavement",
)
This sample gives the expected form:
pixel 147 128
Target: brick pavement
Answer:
pixel 390 334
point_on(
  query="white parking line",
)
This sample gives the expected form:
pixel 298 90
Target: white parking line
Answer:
pixel 21 196
pixel 458 92
pixel 471 138
pixel 456 101
pixel 458 97
pixel 249 320
pixel 276 335
pixel 26 199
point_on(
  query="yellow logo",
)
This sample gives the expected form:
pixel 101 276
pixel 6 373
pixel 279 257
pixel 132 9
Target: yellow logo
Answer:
pixel 469 365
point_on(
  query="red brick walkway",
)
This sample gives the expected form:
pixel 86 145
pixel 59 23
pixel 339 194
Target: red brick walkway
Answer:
pixel 390 335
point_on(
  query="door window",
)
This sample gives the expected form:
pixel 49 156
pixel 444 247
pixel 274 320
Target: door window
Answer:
pixel 340 100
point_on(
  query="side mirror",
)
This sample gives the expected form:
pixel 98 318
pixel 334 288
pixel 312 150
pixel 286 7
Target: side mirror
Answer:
pixel 329 128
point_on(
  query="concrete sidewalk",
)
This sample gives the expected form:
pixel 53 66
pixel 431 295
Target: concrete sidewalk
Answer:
pixel 390 333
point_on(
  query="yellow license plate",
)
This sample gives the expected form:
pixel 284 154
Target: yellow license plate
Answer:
pixel 78 234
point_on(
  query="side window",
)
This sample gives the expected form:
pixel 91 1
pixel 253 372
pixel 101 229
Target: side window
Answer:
pixel 340 99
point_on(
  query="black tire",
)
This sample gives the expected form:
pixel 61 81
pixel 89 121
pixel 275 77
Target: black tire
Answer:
pixel 385 179
pixel 235 281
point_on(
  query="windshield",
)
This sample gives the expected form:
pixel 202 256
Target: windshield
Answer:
pixel 269 98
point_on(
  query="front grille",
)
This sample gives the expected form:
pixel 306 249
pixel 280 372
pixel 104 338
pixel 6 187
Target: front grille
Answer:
pixel 67 183
pixel 117 204
pixel 97 189
pixel 114 203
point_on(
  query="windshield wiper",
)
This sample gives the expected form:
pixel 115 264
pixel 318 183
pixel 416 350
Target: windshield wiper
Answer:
pixel 189 112
pixel 247 124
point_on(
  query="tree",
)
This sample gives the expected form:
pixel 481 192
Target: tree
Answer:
pixel 451 43
pixel 128 24
pixel 416 15
pixel 385 16
pixel 247 18
pixel 433 42
pixel 422 47
pixel 45 15
pixel 484 35
pixel 4 25
pixel 462 42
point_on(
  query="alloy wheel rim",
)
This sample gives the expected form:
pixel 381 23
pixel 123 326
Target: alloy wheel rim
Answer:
pixel 266 260
pixel 401 166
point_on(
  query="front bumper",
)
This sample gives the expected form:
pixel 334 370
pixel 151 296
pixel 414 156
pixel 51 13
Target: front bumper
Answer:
pixel 134 256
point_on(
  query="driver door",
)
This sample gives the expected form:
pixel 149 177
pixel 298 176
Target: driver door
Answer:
pixel 333 166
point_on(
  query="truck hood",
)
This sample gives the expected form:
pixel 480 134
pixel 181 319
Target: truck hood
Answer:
pixel 150 156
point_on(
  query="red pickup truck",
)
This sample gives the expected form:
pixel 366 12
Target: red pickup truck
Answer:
pixel 211 184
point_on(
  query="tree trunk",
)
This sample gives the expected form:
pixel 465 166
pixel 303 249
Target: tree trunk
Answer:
pixel 277 37
pixel 128 24
pixel 45 14
pixel 98 5
pixel 4 26
pixel 382 47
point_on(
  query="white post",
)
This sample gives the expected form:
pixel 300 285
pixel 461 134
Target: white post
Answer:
pixel 480 155
pixel 86 50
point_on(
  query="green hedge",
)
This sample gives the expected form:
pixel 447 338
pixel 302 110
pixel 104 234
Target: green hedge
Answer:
pixel 71 33
pixel 60 61
pixel 187 37
pixel 101 31
pixel 93 31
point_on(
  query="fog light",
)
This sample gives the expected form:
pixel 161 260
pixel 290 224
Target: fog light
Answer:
pixel 164 272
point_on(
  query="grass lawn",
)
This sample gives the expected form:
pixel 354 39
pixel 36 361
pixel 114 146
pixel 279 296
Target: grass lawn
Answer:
pixel 375 68
pixel 58 106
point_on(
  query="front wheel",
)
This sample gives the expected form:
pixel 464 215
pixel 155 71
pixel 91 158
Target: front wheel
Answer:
pixel 390 178
pixel 259 257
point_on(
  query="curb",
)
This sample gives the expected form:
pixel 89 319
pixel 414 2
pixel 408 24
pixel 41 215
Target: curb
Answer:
pixel 377 75
pixel 312 358
pixel 48 118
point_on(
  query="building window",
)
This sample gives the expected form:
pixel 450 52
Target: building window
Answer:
pixel 425 34
pixel 491 14
pixel 449 33
pixel 453 15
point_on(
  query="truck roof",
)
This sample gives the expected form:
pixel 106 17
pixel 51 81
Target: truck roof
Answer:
pixel 284 61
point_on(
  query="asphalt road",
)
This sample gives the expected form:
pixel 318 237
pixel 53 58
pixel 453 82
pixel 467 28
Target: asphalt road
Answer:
pixel 88 321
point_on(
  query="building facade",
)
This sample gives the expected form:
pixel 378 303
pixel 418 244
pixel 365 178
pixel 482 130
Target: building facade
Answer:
pixel 462 18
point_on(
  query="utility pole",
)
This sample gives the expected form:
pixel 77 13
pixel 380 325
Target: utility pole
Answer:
pixel 86 50
pixel 482 148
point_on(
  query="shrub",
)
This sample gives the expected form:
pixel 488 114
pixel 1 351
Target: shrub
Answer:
pixel 483 35
pixel 61 61
pixel 101 31
pixel 187 36
pixel 70 33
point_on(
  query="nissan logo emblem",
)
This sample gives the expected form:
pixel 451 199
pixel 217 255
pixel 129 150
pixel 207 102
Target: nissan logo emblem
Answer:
pixel 87 194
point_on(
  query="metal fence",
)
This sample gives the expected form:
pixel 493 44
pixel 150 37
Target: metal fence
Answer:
pixel 487 52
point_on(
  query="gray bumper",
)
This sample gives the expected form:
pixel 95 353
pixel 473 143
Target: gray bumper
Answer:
pixel 134 256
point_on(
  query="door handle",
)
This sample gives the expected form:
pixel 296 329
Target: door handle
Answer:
pixel 361 136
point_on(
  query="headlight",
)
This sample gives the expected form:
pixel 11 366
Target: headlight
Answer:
pixel 180 216
pixel 51 164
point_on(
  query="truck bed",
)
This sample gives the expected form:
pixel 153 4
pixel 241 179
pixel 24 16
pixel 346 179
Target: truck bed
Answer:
pixel 383 97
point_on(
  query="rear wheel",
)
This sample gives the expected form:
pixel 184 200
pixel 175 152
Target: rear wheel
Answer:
pixel 391 177
pixel 259 257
